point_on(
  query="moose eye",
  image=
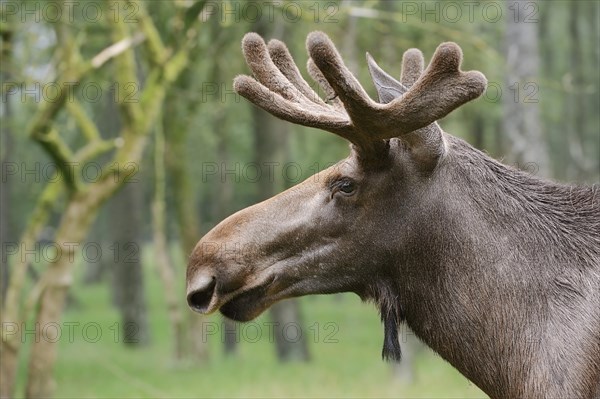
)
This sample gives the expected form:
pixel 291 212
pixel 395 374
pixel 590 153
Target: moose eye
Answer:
pixel 345 186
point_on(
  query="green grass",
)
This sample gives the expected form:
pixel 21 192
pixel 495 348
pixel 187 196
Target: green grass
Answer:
pixel 345 357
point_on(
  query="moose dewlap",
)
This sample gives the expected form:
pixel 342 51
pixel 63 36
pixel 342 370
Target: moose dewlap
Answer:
pixel 494 269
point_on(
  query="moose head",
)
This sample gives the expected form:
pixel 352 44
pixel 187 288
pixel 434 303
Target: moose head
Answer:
pixel 416 220
pixel 335 232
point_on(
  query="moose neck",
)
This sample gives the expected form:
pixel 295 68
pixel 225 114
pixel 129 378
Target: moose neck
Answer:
pixel 483 288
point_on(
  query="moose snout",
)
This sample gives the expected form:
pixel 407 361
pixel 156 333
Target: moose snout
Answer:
pixel 200 292
pixel 216 269
pixel 201 276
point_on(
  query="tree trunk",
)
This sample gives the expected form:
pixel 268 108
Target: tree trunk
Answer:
pixel 405 370
pixel 74 225
pixel 578 98
pixel 185 206
pixel 9 347
pixel 549 56
pixel 12 312
pixel 520 99
pixel 128 274
pixel 81 209
pixel 7 236
pixel 161 247
pixel 125 226
pixel 184 197
pixel 110 124
pixel 289 331
pixel 187 215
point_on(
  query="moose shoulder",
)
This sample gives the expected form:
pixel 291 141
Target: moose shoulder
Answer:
pixel 494 269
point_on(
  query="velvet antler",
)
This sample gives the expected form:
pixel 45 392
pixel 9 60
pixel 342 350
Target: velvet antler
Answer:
pixel 427 143
pixel 423 98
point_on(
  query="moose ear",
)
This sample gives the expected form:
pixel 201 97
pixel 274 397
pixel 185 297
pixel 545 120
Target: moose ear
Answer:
pixel 387 87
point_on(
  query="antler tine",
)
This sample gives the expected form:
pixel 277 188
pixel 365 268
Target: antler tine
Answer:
pixel 282 58
pixel 344 84
pixel 426 143
pixel 341 100
pixel 412 67
pixel 272 91
pixel 316 74
pixel 442 88
pixel 264 69
pixel 290 111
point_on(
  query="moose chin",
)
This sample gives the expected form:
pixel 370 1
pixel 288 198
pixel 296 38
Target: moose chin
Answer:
pixel 494 269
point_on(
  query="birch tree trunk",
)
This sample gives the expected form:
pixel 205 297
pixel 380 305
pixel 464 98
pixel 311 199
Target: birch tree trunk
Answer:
pixel 520 97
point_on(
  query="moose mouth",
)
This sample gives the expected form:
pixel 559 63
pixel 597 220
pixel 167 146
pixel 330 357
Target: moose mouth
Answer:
pixel 247 305
pixel 241 304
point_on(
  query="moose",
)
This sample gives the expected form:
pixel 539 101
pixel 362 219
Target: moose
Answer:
pixel 496 270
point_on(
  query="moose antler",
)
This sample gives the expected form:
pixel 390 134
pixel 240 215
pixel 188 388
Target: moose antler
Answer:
pixel 422 99
pixel 427 143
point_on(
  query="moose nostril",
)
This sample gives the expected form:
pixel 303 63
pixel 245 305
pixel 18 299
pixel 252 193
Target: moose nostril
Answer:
pixel 200 298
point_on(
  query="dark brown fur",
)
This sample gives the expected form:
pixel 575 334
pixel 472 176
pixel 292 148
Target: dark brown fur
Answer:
pixel 499 273
pixel 496 270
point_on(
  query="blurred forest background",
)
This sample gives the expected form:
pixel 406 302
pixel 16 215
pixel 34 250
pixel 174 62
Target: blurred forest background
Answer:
pixel 122 142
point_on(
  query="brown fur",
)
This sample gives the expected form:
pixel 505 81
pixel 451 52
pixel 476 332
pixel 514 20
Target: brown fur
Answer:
pixel 494 269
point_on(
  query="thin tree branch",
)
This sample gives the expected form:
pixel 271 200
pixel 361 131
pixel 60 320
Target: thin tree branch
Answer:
pixel 41 129
pixel 158 52
pixel 115 49
pixel 126 74
pixel 88 128
pixel 94 149
pixel 60 153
